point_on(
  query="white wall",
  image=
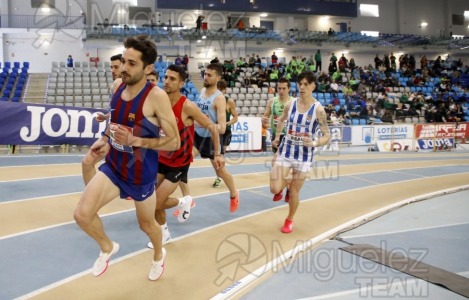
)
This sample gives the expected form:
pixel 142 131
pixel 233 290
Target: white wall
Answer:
pixel 387 21
pixel 42 48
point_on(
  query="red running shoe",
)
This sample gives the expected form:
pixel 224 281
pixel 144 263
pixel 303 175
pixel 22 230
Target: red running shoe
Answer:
pixel 287 226
pixel 234 202
pixel 278 196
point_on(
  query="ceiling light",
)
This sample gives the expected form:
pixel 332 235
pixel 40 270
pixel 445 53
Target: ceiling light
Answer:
pixel 424 24
pixel 263 15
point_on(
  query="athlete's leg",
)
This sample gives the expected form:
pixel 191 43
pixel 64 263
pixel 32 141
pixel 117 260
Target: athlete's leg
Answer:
pixel 148 224
pixel 99 192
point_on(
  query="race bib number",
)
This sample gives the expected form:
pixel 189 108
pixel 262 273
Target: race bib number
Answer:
pixel 296 138
pixel 117 146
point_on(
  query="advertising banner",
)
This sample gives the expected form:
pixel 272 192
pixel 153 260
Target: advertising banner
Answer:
pixel 40 124
pixel 246 134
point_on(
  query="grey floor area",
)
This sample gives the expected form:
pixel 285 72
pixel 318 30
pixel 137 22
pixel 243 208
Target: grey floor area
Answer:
pixel 435 231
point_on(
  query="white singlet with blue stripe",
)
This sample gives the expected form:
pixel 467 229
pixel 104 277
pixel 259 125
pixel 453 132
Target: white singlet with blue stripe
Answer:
pixel 299 125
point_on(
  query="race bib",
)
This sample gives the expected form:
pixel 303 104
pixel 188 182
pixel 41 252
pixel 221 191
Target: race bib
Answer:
pixel 296 138
pixel 117 146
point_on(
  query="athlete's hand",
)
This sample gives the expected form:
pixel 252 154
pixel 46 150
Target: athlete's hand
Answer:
pixel 219 161
pixel 100 117
pixel 121 135
pixel 275 143
pixel 99 149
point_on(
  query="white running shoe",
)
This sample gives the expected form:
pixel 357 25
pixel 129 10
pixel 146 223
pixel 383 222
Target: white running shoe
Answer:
pixel 166 237
pixel 100 265
pixel 185 209
pixel 157 267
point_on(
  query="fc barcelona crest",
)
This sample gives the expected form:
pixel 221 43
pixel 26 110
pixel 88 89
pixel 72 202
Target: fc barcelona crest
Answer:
pixel 131 117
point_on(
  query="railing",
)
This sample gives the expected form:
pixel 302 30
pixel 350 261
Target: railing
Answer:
pixel 288 37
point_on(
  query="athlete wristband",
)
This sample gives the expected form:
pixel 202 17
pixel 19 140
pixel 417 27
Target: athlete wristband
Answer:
pixel 104 134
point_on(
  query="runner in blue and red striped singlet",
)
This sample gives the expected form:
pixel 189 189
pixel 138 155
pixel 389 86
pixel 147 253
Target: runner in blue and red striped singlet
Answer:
pixel 138 111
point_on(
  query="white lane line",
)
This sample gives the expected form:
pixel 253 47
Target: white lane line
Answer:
pixel 39 198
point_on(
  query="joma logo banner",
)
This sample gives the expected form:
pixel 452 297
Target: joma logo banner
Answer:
pixel 24 124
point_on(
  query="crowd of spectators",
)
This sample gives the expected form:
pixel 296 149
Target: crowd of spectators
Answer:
pixel 388 89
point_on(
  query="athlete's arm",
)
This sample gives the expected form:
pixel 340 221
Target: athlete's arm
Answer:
pixel 191 110
pixel 280 123
pixel 220 107
pixel 322 119
pixel 326 135
pixel 267 113
pixel 232 109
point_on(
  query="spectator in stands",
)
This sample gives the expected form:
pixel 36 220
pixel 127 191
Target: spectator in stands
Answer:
pixel 333 61
pixel 392 59
pixel 412 63
pixel 351 64
pixel 437 65
pixel 69 61
pixel 185 62
pixel 387 117
pixel 334 88
pixel 318 59
pixel 347 90
pixel 322 87
pixel 343 63
pixel 330 32
pixel 378 62
pixel 215 60
pixel 252 60
pixel 423 62
pixel 198 23
pixel 241 62
pixel 332 68
pixel 274 59
pixel 178 61
pixel 386 63
pixel 258 61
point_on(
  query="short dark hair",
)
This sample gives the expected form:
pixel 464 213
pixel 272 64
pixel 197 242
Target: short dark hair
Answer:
pixel 116 57
pixel 153 72
pixel 308 75
pixel 222 85
pixel 180 70
pixel 143 44
pixel 216 67
pixel 284 80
